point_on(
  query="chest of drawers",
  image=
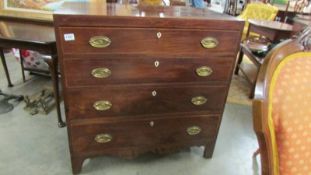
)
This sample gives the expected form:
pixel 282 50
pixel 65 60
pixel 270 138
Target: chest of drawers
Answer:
pixel 143 79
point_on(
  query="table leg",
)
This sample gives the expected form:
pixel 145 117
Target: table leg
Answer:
pixel 5 68
pixel 240 59
pixel 53 66
pixel 22 64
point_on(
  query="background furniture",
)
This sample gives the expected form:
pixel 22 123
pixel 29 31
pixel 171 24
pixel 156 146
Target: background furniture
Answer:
pixel 281 108
pixel 258 11
pixel 274 31
pixel 293 8
pixel 153 83
pixel 300 22
pixel 233 7
pixel 33 36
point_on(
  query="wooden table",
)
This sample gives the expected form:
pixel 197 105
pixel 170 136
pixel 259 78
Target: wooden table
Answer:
pixel 32 36
pixel 273 30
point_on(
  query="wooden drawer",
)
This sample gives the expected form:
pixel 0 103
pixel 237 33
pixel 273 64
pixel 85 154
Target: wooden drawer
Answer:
pixel 147 41
pixel 139 100
pixel 109 136
pixel 90 72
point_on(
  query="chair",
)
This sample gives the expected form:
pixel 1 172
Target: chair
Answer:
pixel 151 2
pixel 281 108
pixel 31 61
pixel 257 10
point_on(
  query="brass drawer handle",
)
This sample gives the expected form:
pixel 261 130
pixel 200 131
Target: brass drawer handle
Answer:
pixel 193 130
pixel 209 42
pixel 102 72
pixel 102 105
pixel 204 71
pixel 103 138
pixel 199 100
pixel 100 41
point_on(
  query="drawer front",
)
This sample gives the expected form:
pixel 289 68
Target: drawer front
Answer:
pixel 147 41
pixel 139 100
pixel 104 136
pixel 91 72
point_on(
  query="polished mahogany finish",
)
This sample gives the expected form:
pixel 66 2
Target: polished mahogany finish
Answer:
pixel 27 32
pixel 145 99
pixel 141 16
pixel 275 25
pixel 147 69
pixel 178 41
pixel 274 30
pixel 126 133
pixel 143 79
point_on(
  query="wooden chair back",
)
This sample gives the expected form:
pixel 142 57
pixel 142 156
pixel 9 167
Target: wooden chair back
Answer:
pixel 261 101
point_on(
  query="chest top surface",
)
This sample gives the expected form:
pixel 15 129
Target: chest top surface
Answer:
pixel 112 14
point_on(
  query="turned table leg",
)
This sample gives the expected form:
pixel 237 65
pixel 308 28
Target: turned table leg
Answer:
pixel 5 68
pixel 53 66
pixel 22 64
pixel 240 59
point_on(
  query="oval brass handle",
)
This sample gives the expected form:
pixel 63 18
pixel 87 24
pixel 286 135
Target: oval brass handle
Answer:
pixel 199 100
pixel 209 42
pixel 103 138
pixel 102 105
pixel 102 72
pixel 193 130
pixel 100 41
pixel 204 71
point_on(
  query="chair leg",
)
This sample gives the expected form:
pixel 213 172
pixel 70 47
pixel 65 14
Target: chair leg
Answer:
pixel 240 59
pixel 5 68
pixel 252 93
pixel 53 66
pixel 22 65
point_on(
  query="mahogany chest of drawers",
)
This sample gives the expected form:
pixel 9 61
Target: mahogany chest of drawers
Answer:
pixel 143 79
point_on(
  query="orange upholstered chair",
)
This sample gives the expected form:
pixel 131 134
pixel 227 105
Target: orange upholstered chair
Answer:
pixel 282 108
